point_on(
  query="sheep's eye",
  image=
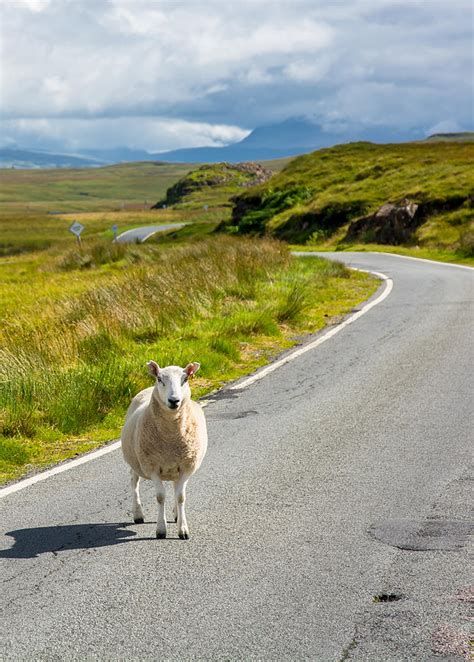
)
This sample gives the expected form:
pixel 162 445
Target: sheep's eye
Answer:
pixel 160 381
pixel 184 380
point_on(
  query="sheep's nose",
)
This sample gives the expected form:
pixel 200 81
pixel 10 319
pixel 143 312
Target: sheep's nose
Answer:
pixel 173 402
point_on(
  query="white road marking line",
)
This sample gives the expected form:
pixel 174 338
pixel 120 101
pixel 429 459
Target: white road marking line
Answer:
pixel 403 257
pixel 70 464
pixel 326 336
pixel 423 259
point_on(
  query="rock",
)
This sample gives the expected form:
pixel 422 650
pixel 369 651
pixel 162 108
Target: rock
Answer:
pixel 214 175
pixel 393 223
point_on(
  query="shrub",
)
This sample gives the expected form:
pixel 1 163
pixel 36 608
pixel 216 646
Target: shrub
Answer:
pixel 466 243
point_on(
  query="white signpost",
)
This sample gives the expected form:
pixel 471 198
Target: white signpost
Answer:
pixel 76 228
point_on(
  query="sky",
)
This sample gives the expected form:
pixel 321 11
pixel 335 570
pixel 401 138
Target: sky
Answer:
pixel 163 74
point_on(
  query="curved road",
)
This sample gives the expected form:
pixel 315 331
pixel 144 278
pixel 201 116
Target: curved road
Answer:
pixel 139 235
pixel 339 477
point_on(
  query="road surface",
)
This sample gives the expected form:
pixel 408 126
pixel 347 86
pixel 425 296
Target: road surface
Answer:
pixel 328 522
pixel 139 235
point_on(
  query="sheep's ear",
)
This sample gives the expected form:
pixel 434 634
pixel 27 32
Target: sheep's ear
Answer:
pixel 191 368
pixel 153 368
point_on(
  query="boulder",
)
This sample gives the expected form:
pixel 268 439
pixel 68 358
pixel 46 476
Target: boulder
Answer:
pixel 392 223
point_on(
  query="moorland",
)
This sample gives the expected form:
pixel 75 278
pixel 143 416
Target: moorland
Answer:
pixel 79 322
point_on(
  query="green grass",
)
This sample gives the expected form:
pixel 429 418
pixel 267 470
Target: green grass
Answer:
pixel 316 197
pixel 101 197
pixel 30 231
pixel 129 185
pixel 75 339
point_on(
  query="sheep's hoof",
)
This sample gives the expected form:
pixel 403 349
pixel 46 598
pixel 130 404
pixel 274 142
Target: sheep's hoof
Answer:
pixel 138 520
pixel 161 535
pixel 184 535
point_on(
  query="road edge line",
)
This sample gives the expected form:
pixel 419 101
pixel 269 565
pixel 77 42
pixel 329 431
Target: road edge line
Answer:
pixel 322 338
pixel 425 259
pixel 333 256
pixel 263 372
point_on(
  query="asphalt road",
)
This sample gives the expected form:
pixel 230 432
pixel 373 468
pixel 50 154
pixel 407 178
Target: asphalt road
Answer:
pixel 340 476
pixel 139 235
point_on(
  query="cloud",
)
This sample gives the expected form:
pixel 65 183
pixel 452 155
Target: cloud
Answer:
pixel 33 5
pixel 446 126
pixel 145 133
pixel 230 66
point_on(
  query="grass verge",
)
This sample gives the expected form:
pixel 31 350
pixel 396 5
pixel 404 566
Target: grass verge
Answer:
pixel 68 368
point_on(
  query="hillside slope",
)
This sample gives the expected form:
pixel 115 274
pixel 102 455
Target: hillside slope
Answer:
pixel 318 196
pixel 214 181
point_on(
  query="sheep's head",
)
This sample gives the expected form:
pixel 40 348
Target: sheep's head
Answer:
pixel 172 386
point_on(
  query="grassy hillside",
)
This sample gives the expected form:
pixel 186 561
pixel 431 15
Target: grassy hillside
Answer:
pixel 214 183
pixel 317 196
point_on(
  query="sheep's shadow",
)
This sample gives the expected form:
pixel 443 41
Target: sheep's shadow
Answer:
pixel 30 543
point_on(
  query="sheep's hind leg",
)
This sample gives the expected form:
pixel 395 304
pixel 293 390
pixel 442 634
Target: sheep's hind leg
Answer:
pixel 160 497
pixel 180 500
pixel 137 510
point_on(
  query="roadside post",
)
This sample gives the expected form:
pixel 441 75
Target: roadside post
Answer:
pixel 115 230
pixel 76 228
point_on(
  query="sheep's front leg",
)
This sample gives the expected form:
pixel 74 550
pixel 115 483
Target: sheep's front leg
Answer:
pixel 180 497
pixel 137 510
pixel 160 497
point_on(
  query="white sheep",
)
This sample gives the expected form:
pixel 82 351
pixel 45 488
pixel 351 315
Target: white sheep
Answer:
pixel 164 439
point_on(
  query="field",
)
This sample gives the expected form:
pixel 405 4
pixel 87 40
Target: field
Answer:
pixel 38 206
pixel 87 189
pixel 78 324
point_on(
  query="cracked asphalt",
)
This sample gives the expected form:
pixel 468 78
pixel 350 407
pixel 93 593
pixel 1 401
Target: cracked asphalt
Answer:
pixel 339 477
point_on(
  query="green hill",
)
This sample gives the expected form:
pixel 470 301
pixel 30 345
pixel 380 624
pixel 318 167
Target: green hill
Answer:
pixel 215 181
pixel 462 136
pixel 318 198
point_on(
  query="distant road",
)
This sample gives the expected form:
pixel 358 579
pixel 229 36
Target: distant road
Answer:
pixel 328 521
pixel 139 235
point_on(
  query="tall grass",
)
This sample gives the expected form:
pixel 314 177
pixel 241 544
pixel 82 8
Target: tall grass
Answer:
pixel 67 370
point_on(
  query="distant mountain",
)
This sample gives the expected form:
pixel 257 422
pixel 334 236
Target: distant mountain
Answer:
pixel 12 157
pixel 118 155
pixel 296 135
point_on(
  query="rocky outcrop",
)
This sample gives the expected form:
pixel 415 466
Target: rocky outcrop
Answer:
pixel 258 174
pixel 393 223
pixel 240 175
pixel 396 222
